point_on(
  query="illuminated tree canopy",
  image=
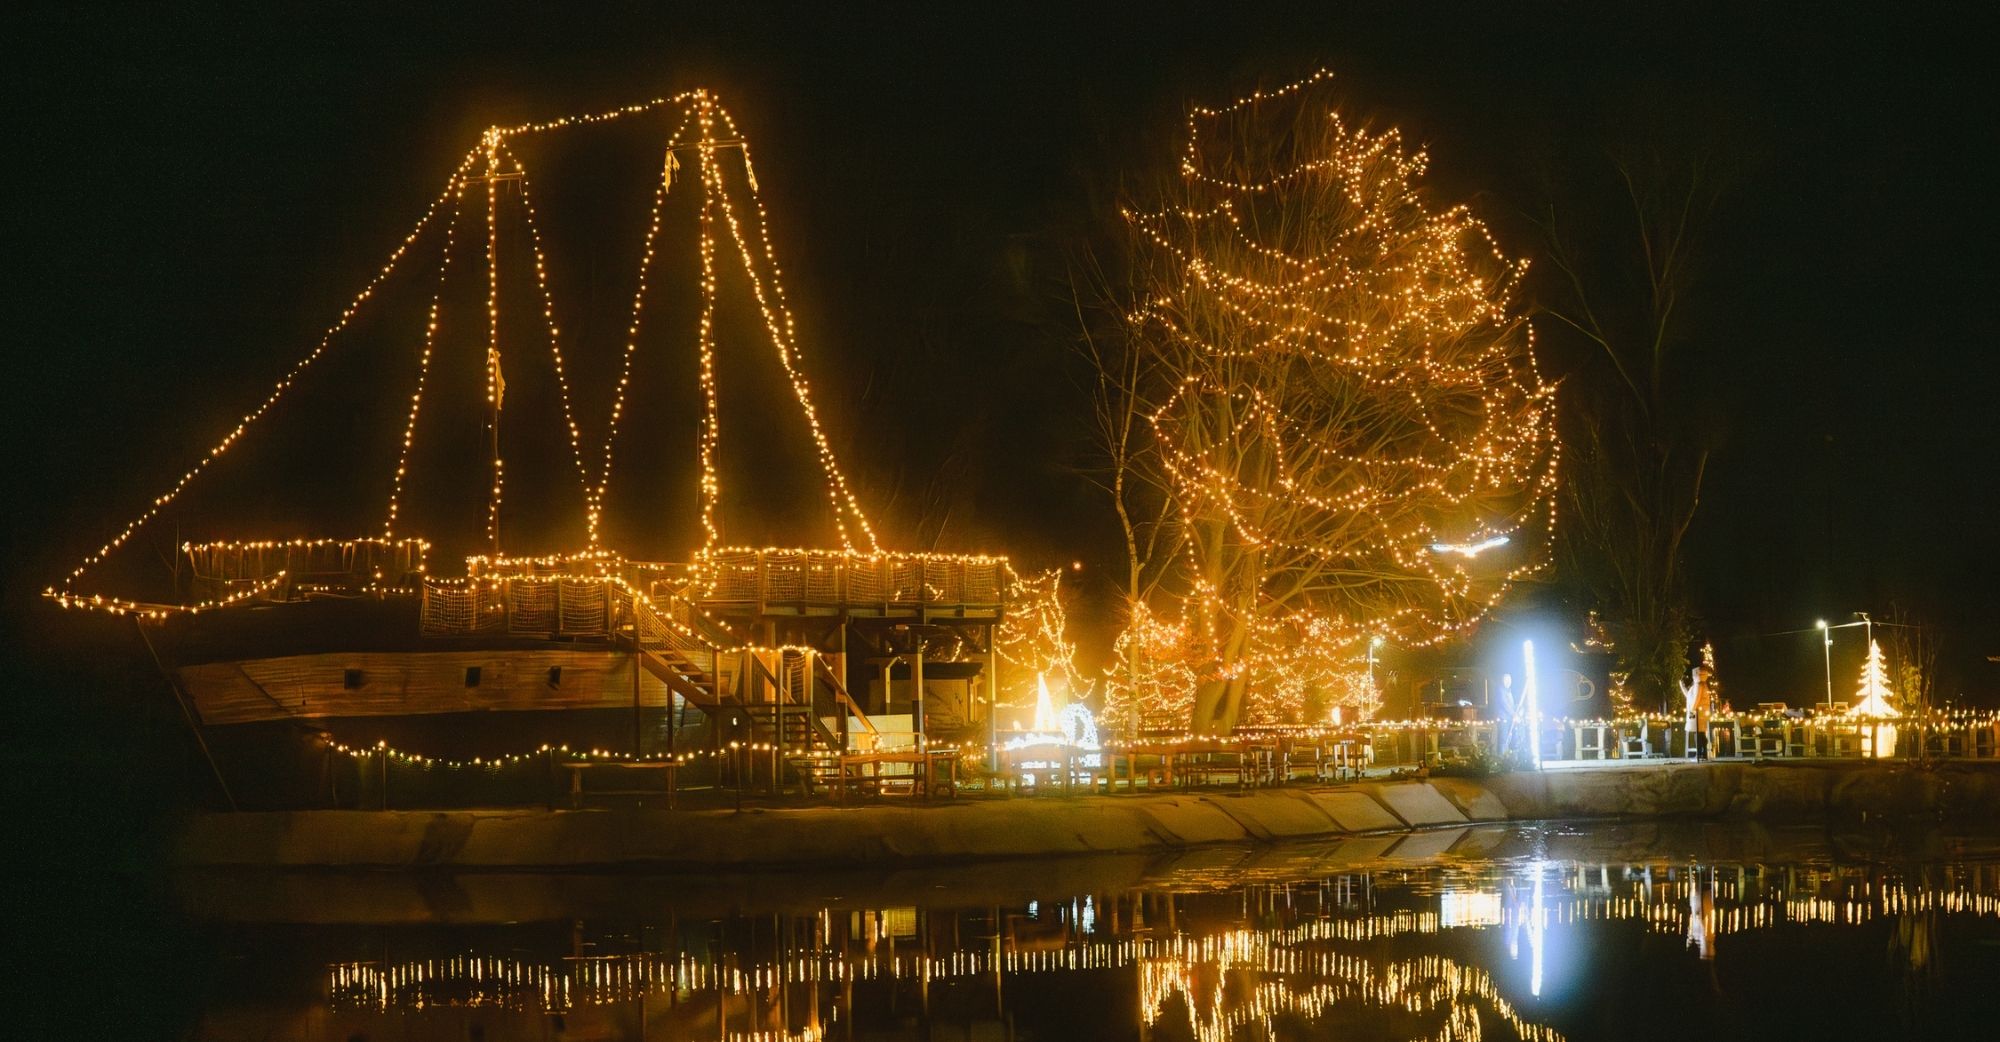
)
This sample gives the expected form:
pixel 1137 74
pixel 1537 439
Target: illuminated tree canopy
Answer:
pixel 1346 414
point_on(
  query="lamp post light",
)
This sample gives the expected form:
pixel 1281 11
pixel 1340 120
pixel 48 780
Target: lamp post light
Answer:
pixel 1531 699
pixel 1374 689
pixel 1826 632
pixel 1826 642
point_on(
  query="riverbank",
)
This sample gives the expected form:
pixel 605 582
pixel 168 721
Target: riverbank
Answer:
pixel 986 830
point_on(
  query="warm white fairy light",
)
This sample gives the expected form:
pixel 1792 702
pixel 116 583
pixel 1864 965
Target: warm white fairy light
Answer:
pixel 1033 639
pixel 747 225
pixel 496 386
pixel 117 606
pixel 668 165
pixel 778 320
pixel 595 488
pixel 717 130
pixel 423 371
pixel 555 333
pixel 1354 417
pixel 711 416
pixel 346 316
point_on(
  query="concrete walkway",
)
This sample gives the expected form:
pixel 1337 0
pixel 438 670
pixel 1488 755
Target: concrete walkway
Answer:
pixel 985 830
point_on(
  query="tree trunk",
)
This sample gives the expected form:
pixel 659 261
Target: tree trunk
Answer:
pixel 1218 701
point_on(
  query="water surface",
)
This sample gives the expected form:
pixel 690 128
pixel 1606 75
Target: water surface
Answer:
pixel 1539 932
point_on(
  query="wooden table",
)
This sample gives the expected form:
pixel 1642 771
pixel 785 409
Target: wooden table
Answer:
pixel 1337 758
pixel 866 769
pixel 1166 754
pixel 669 768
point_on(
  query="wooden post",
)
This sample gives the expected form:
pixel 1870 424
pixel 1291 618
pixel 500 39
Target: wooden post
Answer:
pixel 993 699
pixel 841 630
pixel 781 706
pixel 917 694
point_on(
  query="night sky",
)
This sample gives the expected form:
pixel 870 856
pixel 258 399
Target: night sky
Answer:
pixel 196 194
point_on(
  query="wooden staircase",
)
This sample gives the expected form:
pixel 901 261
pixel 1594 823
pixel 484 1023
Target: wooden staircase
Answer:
pixel 782 698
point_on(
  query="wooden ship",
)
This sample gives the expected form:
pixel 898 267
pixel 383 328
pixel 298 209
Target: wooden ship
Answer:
pixel 353 672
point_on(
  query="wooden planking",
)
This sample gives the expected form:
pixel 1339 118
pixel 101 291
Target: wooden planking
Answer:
pixel 413 683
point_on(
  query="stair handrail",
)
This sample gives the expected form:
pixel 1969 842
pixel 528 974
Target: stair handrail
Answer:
pixel 668 632
pixel 840 695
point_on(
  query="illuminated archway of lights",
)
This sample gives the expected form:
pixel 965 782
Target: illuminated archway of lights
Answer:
pixel 1349 402
pixel 731 216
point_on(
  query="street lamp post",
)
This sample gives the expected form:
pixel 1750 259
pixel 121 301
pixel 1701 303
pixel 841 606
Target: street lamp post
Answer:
pixel 1826 642
pixel 1374 689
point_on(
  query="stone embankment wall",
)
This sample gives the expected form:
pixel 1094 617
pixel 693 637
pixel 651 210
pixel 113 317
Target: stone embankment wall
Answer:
pixel 978 830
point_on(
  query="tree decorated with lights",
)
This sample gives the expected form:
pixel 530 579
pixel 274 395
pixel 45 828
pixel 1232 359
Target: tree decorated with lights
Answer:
pixel 1344 404
pixel 1033 640
pixel 1874 697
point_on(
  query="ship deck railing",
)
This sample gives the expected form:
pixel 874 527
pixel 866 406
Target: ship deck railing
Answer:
pixel 792 582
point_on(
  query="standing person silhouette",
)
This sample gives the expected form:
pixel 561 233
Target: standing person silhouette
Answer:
pixel 1700 706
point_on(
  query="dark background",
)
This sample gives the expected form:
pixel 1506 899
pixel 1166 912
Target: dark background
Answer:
pixel 196 193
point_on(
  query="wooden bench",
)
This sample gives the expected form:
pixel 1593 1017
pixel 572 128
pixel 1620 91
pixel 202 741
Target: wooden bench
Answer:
pixel 668 768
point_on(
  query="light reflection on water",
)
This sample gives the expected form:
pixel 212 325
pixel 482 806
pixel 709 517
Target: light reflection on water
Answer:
pixel 1502 945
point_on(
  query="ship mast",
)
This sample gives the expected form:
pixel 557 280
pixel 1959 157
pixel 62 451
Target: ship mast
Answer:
pixel 496 384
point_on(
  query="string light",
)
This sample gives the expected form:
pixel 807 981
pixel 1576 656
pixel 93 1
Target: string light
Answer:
pixel 1349 415
pixel 496 387
pixel 595 491
pixel 747 226
pixel 668 165
pixel 347 314
pixel 115 606
pixel 711 417
pixel 1033 639
pixel 777 315
pixel 423 371
pixel 382 750
pixel 555 334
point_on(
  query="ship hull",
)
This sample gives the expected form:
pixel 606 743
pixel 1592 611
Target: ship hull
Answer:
pixel 341 703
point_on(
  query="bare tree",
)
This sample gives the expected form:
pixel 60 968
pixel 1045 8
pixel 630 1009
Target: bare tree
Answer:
pixel 1341 407
pixel 1639 454
pixel 1913 657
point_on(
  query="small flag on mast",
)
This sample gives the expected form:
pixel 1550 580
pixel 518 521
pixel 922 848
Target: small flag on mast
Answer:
pixel 499 381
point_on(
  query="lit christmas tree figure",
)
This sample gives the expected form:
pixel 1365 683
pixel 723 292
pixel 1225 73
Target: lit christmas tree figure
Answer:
pixel 1874 699
pixel 1875 702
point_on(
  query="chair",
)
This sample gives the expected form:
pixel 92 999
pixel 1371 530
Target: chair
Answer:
pixel 1757 742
